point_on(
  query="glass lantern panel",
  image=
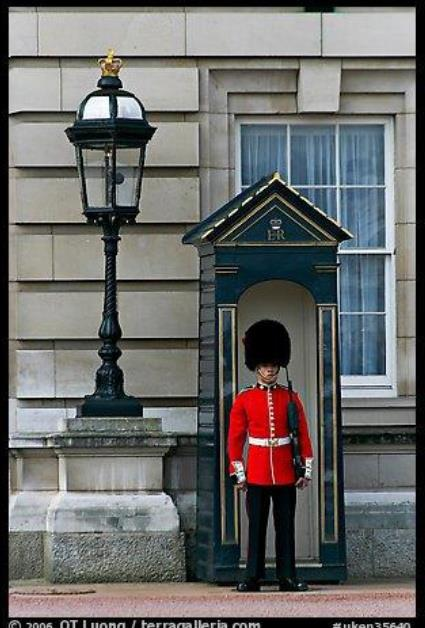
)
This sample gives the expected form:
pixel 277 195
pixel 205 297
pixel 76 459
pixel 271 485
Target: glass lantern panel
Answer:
pixel 96 107
pixel 98 173
pixel 128 176
pixel 128 108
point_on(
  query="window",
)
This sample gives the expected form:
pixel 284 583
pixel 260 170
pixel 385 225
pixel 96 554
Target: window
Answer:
pixel 345 168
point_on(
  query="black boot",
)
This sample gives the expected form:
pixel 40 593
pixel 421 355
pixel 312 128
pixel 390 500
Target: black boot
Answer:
pixel 247 586
pixel 292 584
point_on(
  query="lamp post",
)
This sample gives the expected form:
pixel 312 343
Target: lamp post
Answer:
pixel 110 134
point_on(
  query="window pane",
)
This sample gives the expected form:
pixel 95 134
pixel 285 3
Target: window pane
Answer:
pixel 362 154
pixel 312 154
pixel 362 283
pixel 363 213
pixel 263 148
pixel 323 198
pixel 363 344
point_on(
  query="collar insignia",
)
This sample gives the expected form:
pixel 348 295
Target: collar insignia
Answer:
pixel 266 387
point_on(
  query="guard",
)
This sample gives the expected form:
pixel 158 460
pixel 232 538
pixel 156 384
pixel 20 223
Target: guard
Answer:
pixel 279 456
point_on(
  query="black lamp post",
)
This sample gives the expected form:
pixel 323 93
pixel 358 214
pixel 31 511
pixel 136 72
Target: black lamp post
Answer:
pixel 110 135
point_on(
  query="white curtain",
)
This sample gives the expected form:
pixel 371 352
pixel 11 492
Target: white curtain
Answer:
pixel 362 211
pixel 312 155
pixel 324 198
pixel 362 306
pixel 362 277
pixel 263 151
pixel 313 163
pixel 361 154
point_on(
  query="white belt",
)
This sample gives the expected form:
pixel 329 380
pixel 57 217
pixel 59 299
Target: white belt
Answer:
pixel 269 442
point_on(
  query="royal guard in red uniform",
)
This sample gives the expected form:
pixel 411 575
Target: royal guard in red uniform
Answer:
pixel 279 458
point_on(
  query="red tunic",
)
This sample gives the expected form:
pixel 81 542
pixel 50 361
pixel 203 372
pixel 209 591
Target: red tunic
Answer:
pixel 261 412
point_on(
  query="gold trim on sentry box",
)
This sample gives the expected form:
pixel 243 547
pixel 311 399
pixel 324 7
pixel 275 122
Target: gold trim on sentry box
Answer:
pixel 285 203
pixel 236 517
pixel 335 418
pixel 221 310
pixel 272 208
pixel 323 268
pixel 221 423
pixel 280 243
pixel 272 564
pixel 321 309
pixel 321 426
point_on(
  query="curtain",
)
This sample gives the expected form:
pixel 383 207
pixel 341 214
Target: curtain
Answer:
pixel 263 151
pixel 363 214
pixel 324 198
pixel 362 307
pixel 313 163
pixel 312 155
pixel 361 154
pixel 362 276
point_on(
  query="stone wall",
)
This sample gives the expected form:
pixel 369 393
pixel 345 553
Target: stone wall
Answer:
pixel 196 79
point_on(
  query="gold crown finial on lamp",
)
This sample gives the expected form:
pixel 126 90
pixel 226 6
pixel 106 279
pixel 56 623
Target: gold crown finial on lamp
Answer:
pixel 110 65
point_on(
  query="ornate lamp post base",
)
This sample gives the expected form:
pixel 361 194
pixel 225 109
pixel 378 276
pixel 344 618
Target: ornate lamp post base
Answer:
pixel 95 406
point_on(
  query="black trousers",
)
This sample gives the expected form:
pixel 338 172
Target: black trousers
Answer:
pixel 258 506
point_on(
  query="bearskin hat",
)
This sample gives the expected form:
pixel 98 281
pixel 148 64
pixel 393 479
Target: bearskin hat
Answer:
pixel 266 341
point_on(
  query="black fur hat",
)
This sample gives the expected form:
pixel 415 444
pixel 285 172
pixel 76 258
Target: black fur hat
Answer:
pixel 266 341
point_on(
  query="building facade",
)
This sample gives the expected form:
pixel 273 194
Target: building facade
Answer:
pixel 328 100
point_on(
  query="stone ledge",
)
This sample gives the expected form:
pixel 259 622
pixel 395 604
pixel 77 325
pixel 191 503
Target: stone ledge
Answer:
pixel 103 425
pixel 147 512
pixel 387 513
pixel 39 421
pixel 94 440
pixel 378 402
pixel 359 498
pixel 108 439
pixel 385 435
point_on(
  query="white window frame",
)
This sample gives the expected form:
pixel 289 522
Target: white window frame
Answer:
pixel 354 386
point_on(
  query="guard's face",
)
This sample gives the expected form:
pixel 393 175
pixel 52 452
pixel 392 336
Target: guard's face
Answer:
pixel 268 372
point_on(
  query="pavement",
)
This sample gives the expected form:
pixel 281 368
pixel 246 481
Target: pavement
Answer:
pixel 384 599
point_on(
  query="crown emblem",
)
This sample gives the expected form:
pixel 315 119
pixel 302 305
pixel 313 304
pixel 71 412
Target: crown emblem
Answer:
pixel 110 65
pixel 275 224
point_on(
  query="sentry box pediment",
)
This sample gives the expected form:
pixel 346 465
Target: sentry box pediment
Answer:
pixel 270 212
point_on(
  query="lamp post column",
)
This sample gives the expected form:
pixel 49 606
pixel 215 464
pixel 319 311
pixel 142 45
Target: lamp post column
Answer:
pixel 109 398
pixel 109 376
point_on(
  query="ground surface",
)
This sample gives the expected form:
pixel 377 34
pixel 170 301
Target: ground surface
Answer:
pixel 189 599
